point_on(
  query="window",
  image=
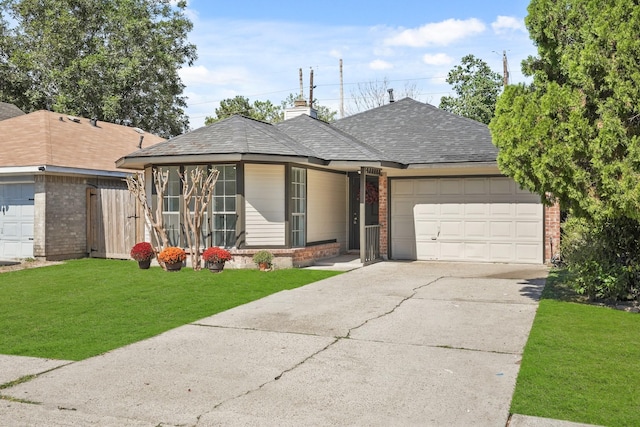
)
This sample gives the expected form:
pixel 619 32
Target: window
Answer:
pixel 298 206
pixel 171 206
pixel 224 207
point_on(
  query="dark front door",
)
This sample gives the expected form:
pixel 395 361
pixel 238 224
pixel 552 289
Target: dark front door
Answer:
pixel 354 211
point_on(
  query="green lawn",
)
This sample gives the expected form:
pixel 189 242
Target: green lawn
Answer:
pixel 86 307
pixel 581 362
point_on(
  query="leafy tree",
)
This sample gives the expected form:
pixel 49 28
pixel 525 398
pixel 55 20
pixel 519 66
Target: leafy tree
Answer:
pixel 230 106
pixel 262 110
pixel 573 132
pixel 259 110
pixel 116 59
pixel 477 88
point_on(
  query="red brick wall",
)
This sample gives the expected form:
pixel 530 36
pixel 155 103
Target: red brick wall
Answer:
pixel 287 258
pixel 551 231
pixel 383 216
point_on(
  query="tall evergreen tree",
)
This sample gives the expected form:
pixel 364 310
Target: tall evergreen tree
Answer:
pixel 574 132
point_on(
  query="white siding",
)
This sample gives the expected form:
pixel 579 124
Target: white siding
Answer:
pixel 326 207
pixel 465 219
pixel 264 205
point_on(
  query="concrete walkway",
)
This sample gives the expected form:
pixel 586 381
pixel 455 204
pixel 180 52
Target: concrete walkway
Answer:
pixel 424 344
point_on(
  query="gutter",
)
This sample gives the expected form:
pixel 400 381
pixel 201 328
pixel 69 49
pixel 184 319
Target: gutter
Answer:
pixel 38 170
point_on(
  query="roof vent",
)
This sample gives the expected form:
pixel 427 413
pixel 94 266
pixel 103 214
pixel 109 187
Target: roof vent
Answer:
pixel 73 119
pixel 140 131
pixel 94 121
pixel 390 95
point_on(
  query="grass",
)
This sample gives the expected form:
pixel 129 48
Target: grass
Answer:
pixel 581 362
pixel 86 307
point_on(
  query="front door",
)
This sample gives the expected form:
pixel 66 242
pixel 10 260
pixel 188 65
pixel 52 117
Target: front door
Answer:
pixel 354 212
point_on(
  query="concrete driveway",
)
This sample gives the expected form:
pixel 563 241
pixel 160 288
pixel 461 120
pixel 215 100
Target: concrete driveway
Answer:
pixel 413 343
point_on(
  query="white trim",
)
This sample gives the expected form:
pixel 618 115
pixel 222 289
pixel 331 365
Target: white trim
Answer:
pixel 19 170
pixel 46 169
pixel 451 165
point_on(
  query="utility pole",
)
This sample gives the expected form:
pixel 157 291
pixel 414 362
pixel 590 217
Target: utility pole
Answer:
pixel 300 93
pixel 341 92
pixel 505 69
pixel 311 89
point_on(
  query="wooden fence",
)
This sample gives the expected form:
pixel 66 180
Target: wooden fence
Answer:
pixel 114 222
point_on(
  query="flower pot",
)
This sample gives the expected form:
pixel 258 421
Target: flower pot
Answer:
pixel 144 265
pixel 174 266
pixel 215 267
pixel 264 266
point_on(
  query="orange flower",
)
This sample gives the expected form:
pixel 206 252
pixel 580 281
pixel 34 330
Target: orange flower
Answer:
pixel 172 255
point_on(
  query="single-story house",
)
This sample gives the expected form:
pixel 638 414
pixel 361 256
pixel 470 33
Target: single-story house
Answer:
pixel 402 181
pixel 61 195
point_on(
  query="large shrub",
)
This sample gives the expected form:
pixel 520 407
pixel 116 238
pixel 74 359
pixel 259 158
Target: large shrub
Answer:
pixel 603 257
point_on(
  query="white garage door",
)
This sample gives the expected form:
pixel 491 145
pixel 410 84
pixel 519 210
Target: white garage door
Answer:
pixel 465 219
pixel 16 220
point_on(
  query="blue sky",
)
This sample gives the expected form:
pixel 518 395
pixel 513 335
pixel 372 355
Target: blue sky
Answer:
pixel 256 48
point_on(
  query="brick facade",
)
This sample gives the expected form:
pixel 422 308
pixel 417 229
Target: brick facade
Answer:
pixel 60 217
pixel 383 217
pixel 60 214
pixel 287 258
pixel 551 231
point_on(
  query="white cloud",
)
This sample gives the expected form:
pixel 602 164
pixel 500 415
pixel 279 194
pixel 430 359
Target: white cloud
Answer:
pixel 506 24
pixel 379 64
pixel 221 76
pixel 437 59
pixel 437 34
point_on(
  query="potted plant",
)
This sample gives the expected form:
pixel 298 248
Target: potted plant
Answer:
pixel 215 257
pixel 143 253
pixel 172 257
pixel 263 259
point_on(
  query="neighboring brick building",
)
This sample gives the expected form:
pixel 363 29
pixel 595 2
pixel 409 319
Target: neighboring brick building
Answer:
pixel 61 195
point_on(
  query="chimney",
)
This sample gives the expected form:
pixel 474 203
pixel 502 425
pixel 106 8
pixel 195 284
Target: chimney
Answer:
pixel 300 105
pixel 390 95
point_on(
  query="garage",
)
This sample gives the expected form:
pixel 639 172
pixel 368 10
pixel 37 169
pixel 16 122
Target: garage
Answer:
pixel 16 220
pixel 479 219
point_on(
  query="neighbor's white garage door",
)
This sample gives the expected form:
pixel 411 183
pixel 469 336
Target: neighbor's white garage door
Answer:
pixel 465 219
pixel 16 220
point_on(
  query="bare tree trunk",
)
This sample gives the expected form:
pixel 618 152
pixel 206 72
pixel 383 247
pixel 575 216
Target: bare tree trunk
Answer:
pixel 197 192
pixel 154 223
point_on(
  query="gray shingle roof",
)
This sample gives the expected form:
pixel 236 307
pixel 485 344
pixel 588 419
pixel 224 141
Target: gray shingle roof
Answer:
pixel 8 111
pixel 412 132
pixel 236 134
pixel 406 132
pixel 328 142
